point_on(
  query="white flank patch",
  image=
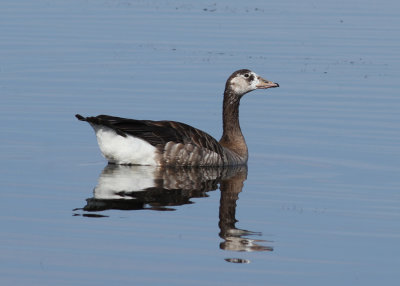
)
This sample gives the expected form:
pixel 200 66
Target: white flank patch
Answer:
pixel 124 150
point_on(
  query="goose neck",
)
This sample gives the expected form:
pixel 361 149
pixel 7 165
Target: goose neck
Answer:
pixel 232 137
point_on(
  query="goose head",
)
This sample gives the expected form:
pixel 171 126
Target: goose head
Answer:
pixel 244 81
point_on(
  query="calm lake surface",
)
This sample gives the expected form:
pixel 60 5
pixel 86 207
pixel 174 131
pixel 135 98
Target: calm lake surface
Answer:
pixel 319 203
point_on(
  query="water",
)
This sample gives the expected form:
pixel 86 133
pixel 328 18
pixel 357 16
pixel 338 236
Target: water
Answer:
pixel 320 204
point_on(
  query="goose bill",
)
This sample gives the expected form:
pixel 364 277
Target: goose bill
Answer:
pixel 264 84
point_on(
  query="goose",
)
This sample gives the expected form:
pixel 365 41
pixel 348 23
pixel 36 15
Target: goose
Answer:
pixel 169 143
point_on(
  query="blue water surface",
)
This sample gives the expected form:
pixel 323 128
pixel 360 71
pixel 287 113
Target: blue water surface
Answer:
pixel 323 188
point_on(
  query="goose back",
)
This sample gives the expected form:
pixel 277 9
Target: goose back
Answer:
pixel 174 143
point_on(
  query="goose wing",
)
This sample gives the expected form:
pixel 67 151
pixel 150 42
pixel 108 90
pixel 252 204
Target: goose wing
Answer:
pixel 157 133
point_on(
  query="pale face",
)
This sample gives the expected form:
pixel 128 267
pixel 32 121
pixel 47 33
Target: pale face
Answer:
pixel 247 81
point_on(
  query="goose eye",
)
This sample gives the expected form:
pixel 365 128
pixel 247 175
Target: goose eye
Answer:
pixel 246 75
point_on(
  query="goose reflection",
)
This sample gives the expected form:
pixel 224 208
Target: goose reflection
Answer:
pixel 162 188
pixel 235 239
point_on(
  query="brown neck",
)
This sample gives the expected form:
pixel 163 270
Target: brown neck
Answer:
pixel 232 137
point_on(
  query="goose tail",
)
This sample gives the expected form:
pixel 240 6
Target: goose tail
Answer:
pixel 80 117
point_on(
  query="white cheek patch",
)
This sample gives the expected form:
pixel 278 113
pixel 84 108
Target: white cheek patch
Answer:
pixel 255 82
pixel 240 85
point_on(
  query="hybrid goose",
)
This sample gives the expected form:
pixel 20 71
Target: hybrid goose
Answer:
pixel 169 143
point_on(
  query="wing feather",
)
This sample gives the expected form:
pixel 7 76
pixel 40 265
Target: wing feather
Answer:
pixel 158 133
